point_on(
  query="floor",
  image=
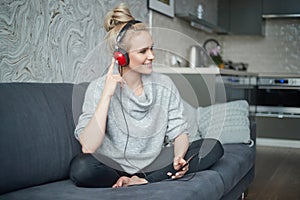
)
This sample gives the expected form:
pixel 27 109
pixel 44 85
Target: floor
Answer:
pixel 277 174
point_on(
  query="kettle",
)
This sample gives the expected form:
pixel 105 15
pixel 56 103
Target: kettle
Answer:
pixel 198 57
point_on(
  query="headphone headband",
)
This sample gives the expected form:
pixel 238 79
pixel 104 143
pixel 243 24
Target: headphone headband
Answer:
pixel 120 54
pixel 124 29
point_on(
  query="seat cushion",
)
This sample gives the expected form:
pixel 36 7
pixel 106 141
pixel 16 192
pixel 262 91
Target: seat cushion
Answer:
pixel 237 160
pixel 205 185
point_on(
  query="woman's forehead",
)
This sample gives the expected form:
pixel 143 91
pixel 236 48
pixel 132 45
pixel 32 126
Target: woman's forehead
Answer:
pixel 140 40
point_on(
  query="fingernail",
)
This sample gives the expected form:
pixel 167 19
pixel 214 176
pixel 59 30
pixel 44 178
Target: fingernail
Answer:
pixel 169 174
pixel 176 174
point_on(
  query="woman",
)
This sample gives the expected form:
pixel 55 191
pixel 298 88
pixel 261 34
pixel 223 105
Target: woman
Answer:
pixel 129 117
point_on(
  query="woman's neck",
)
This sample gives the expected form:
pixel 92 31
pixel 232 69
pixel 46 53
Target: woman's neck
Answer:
pixel 133 81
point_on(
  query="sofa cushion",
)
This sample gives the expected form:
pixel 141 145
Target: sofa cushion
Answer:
pixel 237 160
pixel 227 122
pixel 205 185
pixel 36 134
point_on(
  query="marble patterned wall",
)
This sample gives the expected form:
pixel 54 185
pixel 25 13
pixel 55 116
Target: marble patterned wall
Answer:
pixel 56 40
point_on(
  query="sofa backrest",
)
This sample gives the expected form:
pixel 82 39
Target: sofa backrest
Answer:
pixel 37 141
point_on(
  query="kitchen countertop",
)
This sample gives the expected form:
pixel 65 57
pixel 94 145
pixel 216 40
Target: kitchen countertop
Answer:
pixel 186 70
pixel 237 73
pixel 202 70
pixel 279 75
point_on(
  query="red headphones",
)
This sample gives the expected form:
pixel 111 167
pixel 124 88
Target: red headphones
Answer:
pixel 120 54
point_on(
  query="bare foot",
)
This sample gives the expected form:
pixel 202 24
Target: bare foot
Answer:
pixel 135 180
pixel 125 181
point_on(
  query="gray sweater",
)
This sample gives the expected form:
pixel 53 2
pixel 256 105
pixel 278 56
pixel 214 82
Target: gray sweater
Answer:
pixel 136 140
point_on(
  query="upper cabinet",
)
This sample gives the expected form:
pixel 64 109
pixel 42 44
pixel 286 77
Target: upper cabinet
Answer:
pixel 206 21
pixel 280 8
pixel 238 17
pixel 241 17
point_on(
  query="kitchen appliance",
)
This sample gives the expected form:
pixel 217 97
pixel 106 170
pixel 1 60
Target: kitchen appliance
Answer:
pixel 237 87
pixel 279 96
pixel 278 107
pixel 199 57
pixel 207 56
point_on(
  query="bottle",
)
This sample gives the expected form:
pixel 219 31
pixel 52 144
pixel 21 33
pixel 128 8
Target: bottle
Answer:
pixel 200 11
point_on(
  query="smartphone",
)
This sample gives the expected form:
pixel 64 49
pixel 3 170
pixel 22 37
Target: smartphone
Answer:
pixel 187 162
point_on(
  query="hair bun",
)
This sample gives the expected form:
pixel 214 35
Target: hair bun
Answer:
pixel 121 14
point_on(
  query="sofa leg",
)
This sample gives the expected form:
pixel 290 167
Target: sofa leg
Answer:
pixel 244 195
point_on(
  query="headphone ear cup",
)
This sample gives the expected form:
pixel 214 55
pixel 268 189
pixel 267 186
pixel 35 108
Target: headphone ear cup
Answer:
pixel 122 57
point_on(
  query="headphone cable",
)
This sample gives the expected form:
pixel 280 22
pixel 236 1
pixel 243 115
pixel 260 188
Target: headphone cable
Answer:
pixel 127 138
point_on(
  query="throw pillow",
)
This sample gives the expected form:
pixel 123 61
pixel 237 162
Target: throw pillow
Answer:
pixel 227 122
pixel 191 115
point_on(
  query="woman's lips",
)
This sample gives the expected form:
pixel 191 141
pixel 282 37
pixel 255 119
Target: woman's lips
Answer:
pixel 148 65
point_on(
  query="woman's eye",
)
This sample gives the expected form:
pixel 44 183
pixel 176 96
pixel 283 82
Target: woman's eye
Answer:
pixel 143 51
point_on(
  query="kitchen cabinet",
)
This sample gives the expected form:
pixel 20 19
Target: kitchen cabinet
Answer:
pixel 207 86
pixel 280 7
pixel 195 85
pixel 201 24
pixel 240 16
pixel 187 10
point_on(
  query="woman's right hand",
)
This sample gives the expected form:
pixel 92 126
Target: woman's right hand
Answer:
pixel 112 80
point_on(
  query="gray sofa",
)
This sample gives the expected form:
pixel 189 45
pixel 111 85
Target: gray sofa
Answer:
pixel 37 145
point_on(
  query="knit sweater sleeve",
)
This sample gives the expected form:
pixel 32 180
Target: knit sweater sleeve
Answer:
pixel 177 122
pixel 91 98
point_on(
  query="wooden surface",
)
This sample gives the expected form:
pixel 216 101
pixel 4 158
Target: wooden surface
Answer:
pixel 277 174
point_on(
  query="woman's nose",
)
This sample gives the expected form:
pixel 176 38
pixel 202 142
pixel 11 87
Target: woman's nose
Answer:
pixel 150 54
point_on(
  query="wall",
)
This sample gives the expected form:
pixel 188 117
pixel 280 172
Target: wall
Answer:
pixel 278 51
pixel 176 36
pixel 62 40
pixel 57 40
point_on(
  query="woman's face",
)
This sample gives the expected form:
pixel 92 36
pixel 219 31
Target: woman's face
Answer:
pixel 141 52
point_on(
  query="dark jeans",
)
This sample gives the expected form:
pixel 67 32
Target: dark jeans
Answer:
pixel 87 171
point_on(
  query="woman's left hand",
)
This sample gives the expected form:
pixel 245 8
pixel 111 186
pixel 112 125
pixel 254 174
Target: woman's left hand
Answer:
pixel 178 163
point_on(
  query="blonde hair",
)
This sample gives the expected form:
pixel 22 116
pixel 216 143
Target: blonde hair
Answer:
pixel 114 21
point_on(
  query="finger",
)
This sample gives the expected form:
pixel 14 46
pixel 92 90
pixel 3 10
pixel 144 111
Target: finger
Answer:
pixel 120 182
pixel 176 162
pixel 119 79
pixel 178 174
pixel 115 185
pixel 185 169
pixel 111 67
pixel 179 166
